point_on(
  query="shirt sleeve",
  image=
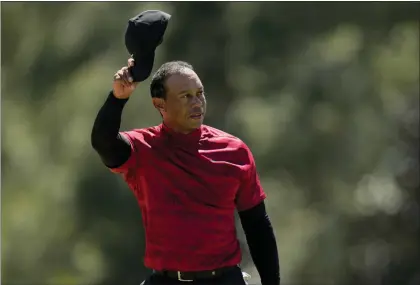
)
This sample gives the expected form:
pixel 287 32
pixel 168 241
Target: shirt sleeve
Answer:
pixel 112 148
pixel 250 192
pixel 132 162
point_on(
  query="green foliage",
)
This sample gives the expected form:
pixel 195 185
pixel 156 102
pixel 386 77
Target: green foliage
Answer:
pixel 325 94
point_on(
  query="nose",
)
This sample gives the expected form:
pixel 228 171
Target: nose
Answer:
pixel 196 102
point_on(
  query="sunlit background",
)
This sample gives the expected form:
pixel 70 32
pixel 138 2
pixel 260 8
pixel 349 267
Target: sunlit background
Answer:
pixel 325 94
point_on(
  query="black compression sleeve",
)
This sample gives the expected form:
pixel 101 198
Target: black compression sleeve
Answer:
pixel 262 243
pixel 113 148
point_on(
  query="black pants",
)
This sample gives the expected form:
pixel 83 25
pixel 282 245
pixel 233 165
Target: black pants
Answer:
pixel 231 277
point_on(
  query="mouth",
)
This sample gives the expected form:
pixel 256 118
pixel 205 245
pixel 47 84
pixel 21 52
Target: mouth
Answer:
pixel 196 116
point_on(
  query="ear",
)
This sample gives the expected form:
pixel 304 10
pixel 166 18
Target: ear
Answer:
pixel 159 104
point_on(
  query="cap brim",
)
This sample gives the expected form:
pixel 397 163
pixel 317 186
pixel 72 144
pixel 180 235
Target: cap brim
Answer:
pixel 143 66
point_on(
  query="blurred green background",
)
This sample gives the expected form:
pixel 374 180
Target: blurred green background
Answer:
pixel 325 94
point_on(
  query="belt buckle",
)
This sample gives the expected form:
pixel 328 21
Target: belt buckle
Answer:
pixel 183 280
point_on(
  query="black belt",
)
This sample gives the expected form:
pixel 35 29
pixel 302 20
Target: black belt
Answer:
pixel 194 275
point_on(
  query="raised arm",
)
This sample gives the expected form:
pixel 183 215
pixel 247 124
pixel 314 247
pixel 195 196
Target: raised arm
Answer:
pixel 113 148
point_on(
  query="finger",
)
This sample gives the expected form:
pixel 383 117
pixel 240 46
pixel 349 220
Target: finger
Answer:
pixel 123 75
pixel 127 75
pixel 131 62
pixel 118 75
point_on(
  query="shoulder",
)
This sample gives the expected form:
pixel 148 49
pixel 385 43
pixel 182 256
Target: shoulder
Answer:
pixel 213 133
pixel 232 142
pixel 142 135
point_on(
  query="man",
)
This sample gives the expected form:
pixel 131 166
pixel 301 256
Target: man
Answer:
pixel 188 179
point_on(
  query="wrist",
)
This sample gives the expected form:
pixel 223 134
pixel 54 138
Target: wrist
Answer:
pixel 116 100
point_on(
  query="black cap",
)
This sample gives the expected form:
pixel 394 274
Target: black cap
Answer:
pixel 143 35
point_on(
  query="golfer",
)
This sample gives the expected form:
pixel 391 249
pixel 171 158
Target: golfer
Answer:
pixel 188 178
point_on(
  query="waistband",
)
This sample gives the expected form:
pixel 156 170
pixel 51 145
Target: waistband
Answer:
pixel 195 275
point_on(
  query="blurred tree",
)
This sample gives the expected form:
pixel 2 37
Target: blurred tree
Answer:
pixel 324 94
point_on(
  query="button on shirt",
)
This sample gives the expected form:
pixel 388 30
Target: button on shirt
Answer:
pixel 188 187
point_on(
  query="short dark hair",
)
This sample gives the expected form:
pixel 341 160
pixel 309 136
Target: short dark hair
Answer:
pixel 157 86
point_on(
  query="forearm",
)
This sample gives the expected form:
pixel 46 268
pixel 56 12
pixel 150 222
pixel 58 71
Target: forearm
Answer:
pixel 262 244
pixel 113 148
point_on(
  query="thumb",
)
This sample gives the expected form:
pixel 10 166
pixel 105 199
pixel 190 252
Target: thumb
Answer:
pixel 133 86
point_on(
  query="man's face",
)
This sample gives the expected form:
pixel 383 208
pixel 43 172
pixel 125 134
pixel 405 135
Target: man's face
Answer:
pixel 185 103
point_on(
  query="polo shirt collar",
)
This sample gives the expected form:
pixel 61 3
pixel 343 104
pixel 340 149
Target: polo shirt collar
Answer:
pixel 179 138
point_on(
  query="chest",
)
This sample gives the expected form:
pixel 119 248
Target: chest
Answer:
pixel 181 176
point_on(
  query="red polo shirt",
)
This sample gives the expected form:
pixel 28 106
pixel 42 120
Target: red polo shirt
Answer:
pixel 187 187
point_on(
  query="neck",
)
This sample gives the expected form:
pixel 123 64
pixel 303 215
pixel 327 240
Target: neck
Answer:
pixel 178 129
